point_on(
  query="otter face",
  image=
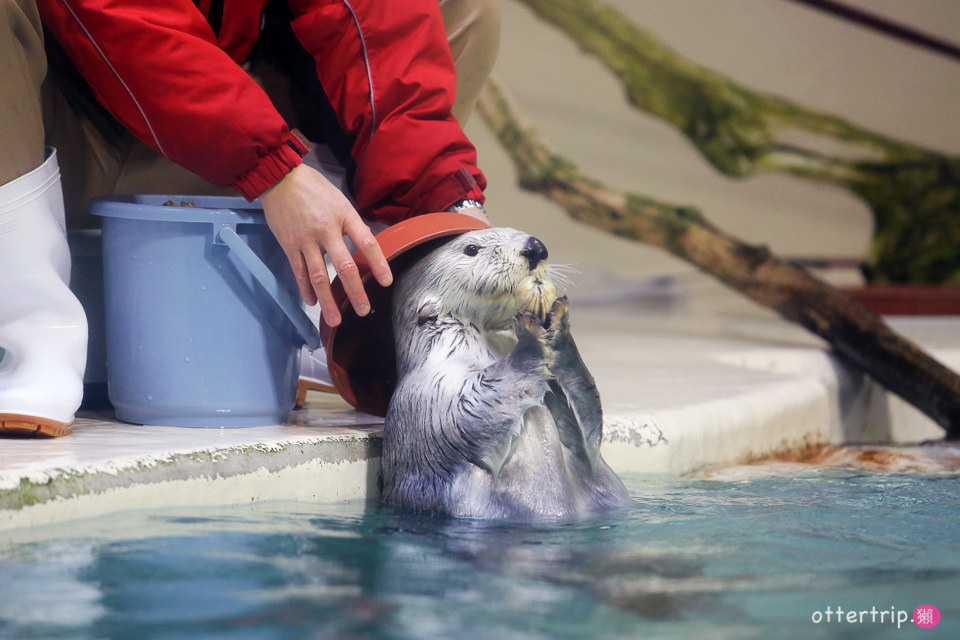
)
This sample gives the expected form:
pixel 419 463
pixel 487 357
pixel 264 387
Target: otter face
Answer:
pixel 484 277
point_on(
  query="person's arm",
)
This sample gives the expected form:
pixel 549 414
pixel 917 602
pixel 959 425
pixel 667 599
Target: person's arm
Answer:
pixel 157 68
pixel 387 70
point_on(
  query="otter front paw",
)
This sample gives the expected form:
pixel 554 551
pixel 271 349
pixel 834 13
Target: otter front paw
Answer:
pixel 532 336
pixel 557 321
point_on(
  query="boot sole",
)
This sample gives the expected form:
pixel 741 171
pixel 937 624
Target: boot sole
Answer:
pixel 33 427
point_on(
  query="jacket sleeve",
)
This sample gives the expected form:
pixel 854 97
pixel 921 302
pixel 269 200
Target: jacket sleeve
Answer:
pixel 387 70
pixel 157 68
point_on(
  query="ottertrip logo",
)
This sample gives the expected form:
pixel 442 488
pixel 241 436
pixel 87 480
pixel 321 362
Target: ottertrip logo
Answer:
pixel 925 616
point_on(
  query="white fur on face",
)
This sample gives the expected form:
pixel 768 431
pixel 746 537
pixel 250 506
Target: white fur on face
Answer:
pixel 480 278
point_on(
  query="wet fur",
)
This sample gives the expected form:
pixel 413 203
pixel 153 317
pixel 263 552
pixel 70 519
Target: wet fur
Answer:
pixel 495 414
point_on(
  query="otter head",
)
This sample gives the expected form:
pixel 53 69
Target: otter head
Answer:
pixel 482 277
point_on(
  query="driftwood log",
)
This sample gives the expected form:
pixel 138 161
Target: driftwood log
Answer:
pixel 855 333
pixel 913 193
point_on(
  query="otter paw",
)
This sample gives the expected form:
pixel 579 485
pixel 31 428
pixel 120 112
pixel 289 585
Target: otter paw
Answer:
pixel 529 323
pixel 559 314
pixel 531 333
pixel 557 321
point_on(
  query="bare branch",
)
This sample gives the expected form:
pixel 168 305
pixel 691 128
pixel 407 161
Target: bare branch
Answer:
pixel 857 334
pixel 914 193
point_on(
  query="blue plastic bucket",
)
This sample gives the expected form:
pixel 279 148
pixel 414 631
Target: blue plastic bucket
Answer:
pixel 203 328
pixel 86 282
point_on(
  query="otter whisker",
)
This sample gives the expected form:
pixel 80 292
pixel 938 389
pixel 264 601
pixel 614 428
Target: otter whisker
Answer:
pixel 563 277
pixel 565 268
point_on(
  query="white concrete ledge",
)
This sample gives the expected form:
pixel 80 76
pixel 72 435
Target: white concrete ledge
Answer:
pixel 320 471
pixel 683 389
pixel 327 453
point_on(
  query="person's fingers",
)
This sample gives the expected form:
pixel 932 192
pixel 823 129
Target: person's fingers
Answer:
pixel 302 276
pixel 349 275
pixel 367 243
pixel 320 284
pixel 310 217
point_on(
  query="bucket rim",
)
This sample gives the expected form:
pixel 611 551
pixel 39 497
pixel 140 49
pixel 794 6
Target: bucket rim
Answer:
pixel 205 209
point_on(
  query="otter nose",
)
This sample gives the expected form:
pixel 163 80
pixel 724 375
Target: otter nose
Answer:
pixel 534 251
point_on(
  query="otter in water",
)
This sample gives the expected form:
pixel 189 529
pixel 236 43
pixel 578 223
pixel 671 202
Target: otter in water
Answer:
pixel 494 414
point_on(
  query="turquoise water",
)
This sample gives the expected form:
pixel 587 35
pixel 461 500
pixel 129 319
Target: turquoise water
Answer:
pixel 750 557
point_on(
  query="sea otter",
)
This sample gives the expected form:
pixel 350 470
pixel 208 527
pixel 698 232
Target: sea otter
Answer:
pixel 494 414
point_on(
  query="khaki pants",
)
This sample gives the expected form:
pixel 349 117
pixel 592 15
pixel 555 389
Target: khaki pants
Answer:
pixel 98 157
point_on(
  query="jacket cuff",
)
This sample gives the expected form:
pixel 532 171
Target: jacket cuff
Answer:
pixel 274 166
pixel 462 185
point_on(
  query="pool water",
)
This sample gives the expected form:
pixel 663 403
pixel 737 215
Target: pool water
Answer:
pixel 754 555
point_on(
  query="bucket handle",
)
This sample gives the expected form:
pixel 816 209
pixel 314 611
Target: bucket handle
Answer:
pixel 227 234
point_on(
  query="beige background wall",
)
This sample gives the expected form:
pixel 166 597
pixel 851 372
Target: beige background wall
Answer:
pixel 772 46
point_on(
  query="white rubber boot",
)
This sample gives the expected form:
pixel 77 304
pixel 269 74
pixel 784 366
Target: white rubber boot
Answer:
pixel 43 329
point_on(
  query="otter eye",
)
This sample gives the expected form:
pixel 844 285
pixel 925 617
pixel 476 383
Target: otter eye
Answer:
pixel 471 250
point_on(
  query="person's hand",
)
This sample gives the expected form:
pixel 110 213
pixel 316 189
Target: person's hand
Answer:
pixel 309 217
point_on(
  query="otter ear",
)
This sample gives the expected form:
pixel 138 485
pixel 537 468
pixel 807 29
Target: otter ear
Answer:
pixel 428 312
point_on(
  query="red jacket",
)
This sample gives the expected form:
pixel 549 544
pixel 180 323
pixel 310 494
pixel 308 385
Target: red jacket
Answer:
pixel 385 65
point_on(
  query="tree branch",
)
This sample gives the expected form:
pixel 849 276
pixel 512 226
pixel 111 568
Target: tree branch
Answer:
pixel 855 333
pixel 913 193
